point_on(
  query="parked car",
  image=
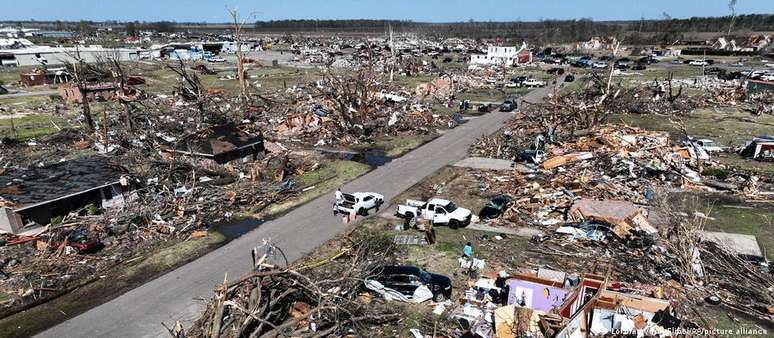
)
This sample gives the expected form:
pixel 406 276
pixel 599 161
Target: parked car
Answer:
pixel 555 70
pixel 495 207
pixel 534 83
pixel 599 64
pixel 676 62
pixel 508 106
pixel 485 108
pixel 519 79
pixel 698 63
pixel 708 145
pixel 359 202
pixel 767 77
pixel 439 211
pixel 512 85
pixel 407 278
pixel 216 59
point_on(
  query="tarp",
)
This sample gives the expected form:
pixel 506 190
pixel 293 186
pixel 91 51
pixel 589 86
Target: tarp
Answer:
pixel 420 295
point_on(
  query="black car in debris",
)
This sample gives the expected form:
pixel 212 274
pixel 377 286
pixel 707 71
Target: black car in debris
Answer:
pixel 508 106
pixel 406 279
pixel 495 207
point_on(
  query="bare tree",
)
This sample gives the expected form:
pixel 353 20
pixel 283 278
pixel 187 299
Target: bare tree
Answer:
pixel 81 72
pixel 351 92
pixel 126 95
pixel 238 24
pixel 732 7
pixel 191 88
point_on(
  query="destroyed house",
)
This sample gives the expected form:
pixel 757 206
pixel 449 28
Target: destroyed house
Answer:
pixel 536 293
pixel 32 197
pixel 760 148
pixel 97 91
pixel 759 86
pixel 594 311
pixel 220 144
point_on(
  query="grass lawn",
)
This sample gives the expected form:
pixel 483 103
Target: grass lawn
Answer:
pixel 324 180
pixel 399 145
pixel 30 126
pixel 732 215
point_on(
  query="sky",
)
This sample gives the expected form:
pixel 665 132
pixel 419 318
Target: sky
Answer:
pixel 415 10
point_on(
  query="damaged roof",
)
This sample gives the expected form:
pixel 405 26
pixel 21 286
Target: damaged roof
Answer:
pixel 25 187
pixel 218 140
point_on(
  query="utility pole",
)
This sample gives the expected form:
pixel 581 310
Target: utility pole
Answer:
pixel 392 51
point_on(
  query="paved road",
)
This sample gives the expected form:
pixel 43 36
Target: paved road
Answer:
pixel 173 296
pixel 28 94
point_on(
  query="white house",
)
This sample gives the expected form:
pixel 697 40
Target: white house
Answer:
pixel 502 55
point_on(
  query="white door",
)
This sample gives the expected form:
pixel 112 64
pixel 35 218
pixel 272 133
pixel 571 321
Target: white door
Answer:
pixel 441 217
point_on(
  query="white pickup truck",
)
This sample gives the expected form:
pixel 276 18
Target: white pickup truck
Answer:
pixel 533 83
pixel 360 202
pixel 436 210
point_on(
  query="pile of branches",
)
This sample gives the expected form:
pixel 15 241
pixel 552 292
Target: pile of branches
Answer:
pixel 314 300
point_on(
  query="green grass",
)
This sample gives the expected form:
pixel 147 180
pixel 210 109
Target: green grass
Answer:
pixel 30 126
pixel 733 216
pixel 749 220
pixel 442 257
pixel 24 101
pixel 661 73
pixel 325 179
pixel 120 280
pixel 399 145
pixel 410 83
pixel 718 318
pixel 10 75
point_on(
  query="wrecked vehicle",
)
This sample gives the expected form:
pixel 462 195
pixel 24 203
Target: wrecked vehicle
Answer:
pixel 359 202
pixel 436 210
pixel 81 240
pixel 495 207
pixel 708 145
pixel 406 279
pixel 485 108
pixel 508 106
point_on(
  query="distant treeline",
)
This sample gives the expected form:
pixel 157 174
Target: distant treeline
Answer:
pixel 545 31
pixel 665 30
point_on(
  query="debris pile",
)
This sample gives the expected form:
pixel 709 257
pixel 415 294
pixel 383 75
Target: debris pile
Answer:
pixel 324 298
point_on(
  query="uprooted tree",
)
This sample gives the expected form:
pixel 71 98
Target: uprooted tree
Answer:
pixel 314 300
pixel 352 92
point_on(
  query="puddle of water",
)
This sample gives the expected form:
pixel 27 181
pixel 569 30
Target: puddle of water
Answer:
pixel 374 157
pixel 234 229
